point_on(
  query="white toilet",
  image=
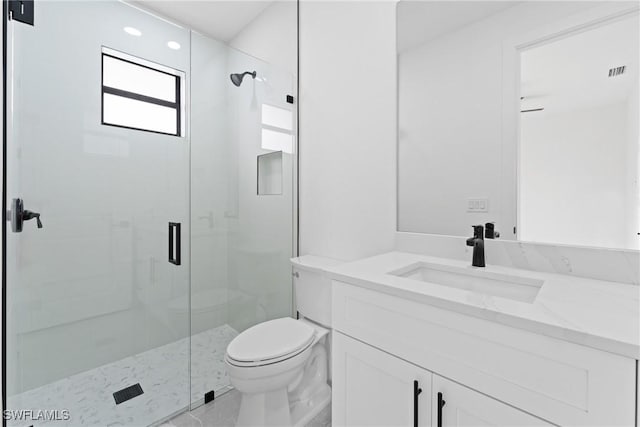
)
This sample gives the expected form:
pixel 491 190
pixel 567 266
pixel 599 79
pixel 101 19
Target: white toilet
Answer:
pixel 281 366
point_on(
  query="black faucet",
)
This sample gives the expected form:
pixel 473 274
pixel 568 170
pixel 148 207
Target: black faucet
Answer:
pixel 477 241
pixel 490 231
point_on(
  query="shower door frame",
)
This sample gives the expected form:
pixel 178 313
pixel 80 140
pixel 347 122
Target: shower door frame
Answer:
pixel 5 17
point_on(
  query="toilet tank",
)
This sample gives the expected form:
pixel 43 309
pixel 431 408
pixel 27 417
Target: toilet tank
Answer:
pixel 312 287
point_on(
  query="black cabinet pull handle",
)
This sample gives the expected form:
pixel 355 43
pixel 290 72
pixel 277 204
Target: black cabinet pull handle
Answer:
pixel 174 243
pixel 416 392
pixel 441 403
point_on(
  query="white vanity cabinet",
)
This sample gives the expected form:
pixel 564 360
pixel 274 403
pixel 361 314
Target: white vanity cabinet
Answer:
pixel 488 373
pixel 373 388
pixel 462 407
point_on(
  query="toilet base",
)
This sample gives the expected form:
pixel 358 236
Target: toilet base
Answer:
pixel 303 413
pixel 273 409
pixel 265 409
pixel 312 394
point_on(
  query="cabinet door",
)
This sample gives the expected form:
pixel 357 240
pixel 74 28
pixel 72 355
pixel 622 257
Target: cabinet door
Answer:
pixel 465 407
pixel 373 388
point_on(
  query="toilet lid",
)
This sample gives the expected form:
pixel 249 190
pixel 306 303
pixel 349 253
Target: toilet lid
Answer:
pixel 270 340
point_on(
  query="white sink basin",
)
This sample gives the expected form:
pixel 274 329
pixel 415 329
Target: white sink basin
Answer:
pixel 475 280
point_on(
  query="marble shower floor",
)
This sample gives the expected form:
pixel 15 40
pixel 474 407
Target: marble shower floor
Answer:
pixel 162 372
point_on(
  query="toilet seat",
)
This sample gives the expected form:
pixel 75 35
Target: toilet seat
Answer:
pixel 270 342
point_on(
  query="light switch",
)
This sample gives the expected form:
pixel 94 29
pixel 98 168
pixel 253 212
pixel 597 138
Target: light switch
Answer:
pixel 478 205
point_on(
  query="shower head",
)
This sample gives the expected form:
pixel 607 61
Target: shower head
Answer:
pixel 236 79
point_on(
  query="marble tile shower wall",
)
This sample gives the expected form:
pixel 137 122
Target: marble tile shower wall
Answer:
pixel 616 265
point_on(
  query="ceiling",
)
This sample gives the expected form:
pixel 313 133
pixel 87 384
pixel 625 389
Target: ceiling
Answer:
pixel 219 19
pixel 421 21
pixel 573 72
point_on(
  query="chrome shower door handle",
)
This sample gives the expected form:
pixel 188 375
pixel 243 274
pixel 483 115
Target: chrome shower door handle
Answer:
pixel 174 243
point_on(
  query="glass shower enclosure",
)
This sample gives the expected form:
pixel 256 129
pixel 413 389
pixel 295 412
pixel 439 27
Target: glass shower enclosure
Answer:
pixel 150 212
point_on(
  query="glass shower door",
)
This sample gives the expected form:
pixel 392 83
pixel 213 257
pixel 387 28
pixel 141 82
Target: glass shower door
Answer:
pixel 242 186
pixel 97 147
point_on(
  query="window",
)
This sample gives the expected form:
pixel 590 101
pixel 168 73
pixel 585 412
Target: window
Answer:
pixel 277 129
pixel 141 95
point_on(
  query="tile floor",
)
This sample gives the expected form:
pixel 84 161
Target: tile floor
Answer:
pixel 223 412
pixel 162 372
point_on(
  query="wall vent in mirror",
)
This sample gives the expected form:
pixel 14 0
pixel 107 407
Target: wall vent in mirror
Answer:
pixel 614 72
pixel 270 174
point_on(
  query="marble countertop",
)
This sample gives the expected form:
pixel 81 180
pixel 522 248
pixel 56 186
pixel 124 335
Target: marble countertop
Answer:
pixel 315 263
pixel 594 313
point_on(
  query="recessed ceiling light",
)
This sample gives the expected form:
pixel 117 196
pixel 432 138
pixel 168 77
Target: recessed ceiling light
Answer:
pixel 173 45
pixel 133 31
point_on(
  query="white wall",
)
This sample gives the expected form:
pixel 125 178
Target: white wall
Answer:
pixel 450 122
pixel 272 36
pixel 347 128
pixel 573 183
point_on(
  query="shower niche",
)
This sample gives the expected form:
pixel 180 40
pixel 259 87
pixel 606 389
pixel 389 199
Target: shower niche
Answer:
pixel 270 174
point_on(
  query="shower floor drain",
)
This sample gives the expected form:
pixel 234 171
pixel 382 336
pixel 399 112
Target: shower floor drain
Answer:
pixel 127 393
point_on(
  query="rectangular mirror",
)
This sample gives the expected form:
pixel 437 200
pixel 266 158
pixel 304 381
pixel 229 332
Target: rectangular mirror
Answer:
pixel 524 114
